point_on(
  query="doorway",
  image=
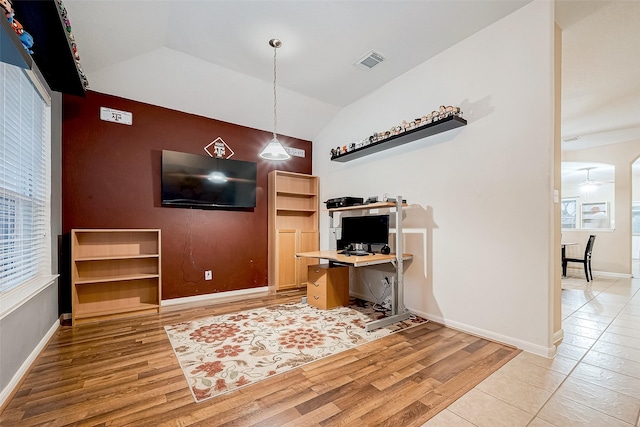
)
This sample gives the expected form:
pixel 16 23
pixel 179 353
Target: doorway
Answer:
pixel 635 218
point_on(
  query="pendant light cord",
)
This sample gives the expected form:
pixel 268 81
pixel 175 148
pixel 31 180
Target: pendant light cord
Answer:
pixel 275 111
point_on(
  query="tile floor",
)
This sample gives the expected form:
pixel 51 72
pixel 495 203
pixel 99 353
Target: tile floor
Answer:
pixel 594 380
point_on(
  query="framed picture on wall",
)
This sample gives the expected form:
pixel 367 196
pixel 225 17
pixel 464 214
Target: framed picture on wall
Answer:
pixel 595 215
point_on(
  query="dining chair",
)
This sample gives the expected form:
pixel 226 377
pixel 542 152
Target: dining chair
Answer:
pixel 586 261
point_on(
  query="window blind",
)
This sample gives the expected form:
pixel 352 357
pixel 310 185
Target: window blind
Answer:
pixel 25 162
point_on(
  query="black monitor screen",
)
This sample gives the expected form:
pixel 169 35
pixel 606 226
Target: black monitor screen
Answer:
pixel 369 230
pixel 192 180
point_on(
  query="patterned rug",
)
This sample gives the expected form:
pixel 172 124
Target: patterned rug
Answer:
pixel 224 353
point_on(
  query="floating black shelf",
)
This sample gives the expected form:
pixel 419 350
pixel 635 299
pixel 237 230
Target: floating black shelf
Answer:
pixel 420 132
pixel 52 50
pixel 11 49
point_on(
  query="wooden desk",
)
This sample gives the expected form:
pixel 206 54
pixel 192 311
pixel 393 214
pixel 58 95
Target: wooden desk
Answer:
pixel 356 261
pixel 397 314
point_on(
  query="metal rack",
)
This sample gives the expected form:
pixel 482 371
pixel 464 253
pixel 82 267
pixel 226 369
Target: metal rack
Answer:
pixel 398 309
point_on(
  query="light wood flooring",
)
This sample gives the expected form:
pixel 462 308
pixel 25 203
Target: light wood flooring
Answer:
pixel 124 372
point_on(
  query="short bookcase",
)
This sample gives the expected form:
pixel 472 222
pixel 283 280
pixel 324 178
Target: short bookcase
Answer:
pixel 114 273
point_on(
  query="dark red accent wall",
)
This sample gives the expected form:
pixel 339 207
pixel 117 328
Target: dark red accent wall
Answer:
pixel 111 179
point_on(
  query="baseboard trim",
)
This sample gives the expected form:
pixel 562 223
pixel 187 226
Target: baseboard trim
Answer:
pixel 579 273
pixel 558 336
pixel 610 274
pixel 12 386
pixel 218 296
pixel 483 333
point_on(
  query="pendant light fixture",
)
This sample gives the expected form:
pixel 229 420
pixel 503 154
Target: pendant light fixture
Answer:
pixel 274 149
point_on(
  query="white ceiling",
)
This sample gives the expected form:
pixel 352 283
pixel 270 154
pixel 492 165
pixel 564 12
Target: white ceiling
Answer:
pixel 322 41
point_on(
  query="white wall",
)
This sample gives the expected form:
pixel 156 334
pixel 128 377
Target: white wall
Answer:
pixel 483 192
pixel 211 91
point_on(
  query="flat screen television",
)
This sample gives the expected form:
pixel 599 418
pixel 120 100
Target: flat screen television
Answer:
pixel 365 230
pixel 192 180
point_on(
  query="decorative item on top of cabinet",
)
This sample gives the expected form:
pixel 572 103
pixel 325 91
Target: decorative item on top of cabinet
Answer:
pixel 114 273
pixel 293 227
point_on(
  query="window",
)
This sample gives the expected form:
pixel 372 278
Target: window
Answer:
pixel 25 244
pixel 568 213
pixel 595 215
pixel 635 218
pixel 588 196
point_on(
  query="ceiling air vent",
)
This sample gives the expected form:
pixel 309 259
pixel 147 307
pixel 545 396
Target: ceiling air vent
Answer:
pixel 571 139
pixel 370 60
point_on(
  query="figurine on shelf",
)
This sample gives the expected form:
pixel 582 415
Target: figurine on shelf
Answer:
pixel 17 26
pixel 27 41
pixel 74 49
pixel 7 8
pixel 25 38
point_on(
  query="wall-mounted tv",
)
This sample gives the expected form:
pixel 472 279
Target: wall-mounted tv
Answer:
pixel 192 180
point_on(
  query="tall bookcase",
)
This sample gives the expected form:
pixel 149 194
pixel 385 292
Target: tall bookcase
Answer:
pixel 114 273
pixel 293 227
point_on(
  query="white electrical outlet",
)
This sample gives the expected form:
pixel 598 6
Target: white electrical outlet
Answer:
pixel 208 275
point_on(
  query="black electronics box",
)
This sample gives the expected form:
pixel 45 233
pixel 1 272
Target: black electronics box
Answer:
pixel 341 202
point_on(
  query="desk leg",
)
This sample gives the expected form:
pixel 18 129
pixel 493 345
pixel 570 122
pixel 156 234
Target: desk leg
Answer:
pixel 372 326
pixel 564 263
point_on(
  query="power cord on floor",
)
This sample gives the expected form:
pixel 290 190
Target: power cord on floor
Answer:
pixel 378 305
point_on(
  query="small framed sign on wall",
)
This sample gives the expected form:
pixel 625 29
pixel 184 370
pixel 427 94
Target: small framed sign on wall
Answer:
pixel 116 116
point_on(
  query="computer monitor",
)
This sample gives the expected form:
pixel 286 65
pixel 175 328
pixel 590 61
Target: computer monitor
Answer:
pixel 365 230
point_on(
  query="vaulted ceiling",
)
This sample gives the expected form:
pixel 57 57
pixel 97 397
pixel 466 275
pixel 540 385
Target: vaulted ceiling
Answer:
pixel 323 41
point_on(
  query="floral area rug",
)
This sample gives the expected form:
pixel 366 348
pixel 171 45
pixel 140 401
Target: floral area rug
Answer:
pixel 224 353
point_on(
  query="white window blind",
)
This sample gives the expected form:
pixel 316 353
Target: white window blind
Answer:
pixel 25 161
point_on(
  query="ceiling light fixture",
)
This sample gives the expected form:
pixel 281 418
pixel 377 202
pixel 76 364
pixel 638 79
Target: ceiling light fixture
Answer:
pixel 274 149
pixel 589 185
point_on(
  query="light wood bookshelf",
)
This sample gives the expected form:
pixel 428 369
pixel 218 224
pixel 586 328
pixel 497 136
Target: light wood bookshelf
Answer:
pixel 115 273
pixel 293 227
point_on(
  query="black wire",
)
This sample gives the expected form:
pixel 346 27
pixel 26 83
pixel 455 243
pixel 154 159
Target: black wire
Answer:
pixel 188 242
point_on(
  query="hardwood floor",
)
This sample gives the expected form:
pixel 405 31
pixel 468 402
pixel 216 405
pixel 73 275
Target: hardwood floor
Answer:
pixel 124 372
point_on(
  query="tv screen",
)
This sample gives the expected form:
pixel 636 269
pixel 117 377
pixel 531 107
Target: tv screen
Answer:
pixel 367 230
pixel 192 180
